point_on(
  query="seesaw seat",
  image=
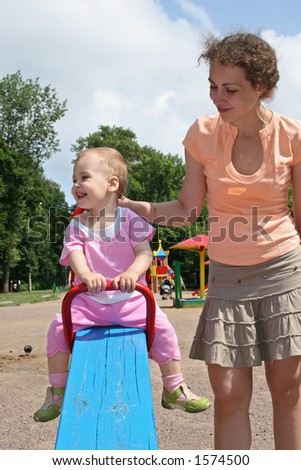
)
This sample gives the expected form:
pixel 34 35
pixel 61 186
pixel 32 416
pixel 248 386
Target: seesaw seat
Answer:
pixel 108 399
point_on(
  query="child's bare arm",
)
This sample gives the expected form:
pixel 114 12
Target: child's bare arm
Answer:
pixel 95 281
pixel 127 280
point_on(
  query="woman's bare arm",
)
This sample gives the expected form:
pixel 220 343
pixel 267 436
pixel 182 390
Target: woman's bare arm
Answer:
pixel 182 211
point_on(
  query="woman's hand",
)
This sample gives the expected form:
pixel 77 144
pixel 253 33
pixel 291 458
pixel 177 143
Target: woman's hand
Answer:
pixel 123 202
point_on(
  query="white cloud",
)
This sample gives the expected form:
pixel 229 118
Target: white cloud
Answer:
pixel 123 63
pixel 197 13
pixel 288 95
pixel 161 103
pixel 109 106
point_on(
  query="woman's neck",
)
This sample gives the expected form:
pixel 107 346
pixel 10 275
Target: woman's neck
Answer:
pixel 250 126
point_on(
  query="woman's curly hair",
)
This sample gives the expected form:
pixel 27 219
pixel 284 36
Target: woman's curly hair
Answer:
pixel 248 51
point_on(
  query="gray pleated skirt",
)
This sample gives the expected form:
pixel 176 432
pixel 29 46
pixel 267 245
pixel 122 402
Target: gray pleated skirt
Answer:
pixel 251 314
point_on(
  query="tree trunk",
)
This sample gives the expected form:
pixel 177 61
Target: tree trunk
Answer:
pixel 29 282
pixel 6 272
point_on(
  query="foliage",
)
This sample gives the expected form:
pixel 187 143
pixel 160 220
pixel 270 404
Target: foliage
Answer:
pixel 43 238
pixel 28 137
pixel 123 140
pixel 29 113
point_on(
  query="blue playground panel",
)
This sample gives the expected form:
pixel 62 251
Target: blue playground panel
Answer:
pixel 108 400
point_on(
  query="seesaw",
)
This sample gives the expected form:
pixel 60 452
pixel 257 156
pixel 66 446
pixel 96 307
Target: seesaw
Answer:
pixel 108 400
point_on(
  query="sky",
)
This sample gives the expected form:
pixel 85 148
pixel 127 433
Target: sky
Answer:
pixel 133 63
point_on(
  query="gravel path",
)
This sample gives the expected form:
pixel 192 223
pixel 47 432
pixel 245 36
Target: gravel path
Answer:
pixel 23 380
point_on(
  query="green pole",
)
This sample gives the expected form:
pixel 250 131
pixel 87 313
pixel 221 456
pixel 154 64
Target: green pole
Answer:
pixel 178 284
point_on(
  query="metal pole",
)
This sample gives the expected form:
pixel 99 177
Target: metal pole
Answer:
pixel 202 273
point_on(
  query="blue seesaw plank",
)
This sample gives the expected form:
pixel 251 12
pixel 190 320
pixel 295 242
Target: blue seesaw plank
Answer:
pixel 108 400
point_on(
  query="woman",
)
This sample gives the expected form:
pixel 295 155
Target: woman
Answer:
pixel 243 160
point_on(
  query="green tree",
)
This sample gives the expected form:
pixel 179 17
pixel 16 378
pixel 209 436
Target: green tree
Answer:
pixel 28 137
pixel 29 113
pixel 123 140
pixel 43 239
pixel 12 209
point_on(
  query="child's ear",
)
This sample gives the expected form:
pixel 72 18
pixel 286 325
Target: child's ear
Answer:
pixel 113 183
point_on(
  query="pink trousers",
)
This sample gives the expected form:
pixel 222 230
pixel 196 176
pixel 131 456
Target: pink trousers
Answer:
pixel 87 313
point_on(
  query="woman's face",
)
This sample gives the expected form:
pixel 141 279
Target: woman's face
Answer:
pixel 233 95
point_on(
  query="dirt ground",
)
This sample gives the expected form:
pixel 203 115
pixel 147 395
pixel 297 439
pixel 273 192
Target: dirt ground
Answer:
pixel 23 380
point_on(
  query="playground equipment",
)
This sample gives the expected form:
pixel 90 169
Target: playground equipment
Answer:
pixel 159 270
pixel 108 400
pixel 198 244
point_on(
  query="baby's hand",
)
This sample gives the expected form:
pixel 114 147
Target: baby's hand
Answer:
pixel 126 281
pixel 95 282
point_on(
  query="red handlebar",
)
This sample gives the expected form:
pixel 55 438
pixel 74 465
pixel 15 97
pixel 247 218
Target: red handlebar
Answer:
pixel 78 289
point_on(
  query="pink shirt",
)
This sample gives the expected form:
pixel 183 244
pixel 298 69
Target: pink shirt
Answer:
pixel 108 252
pixel 249 219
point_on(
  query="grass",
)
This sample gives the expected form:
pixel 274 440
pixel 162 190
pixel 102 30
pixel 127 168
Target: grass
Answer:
pixel 19 298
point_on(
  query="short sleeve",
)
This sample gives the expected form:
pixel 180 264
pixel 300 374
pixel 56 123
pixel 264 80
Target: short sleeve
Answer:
pixel 191 139
pixel 202 137
pixel 289 134
pixel 73 240
pixel 138 228
pixel 297 152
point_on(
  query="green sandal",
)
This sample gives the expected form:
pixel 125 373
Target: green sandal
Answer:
pixel 192 403
pixel 51 408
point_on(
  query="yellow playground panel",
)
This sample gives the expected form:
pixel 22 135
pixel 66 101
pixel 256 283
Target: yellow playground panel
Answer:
pixel 160 270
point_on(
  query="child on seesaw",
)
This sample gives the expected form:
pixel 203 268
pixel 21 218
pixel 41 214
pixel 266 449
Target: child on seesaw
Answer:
pixel 110 242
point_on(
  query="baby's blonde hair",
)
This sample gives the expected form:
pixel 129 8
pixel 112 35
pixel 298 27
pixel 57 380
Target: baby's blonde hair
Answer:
pixel 115 163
